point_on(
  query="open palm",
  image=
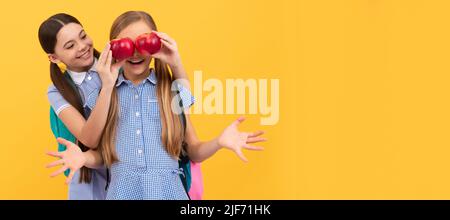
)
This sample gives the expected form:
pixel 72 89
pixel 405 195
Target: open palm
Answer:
pixel 72 158
pixel 233 139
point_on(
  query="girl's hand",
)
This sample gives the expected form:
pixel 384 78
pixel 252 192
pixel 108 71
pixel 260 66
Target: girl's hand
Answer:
pixel 231 138
pixel 169 51
pixel 72 158
pixel 108 73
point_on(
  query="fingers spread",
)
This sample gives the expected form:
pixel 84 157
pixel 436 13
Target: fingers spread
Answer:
pixel 55 163
pixel 239 120
pixel 59 171
pixel 63 141
pixel 255 139
pixel 69 178
pixel 250 147
pixel 256 134
pixel 241 155
pixel 54 154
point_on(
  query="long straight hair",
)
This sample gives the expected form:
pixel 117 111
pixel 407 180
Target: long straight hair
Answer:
pixel 172 134
pixel 47 37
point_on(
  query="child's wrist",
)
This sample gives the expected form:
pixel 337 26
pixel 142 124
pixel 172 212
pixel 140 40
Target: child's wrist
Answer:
pixel 176 66
pixel 217 144
pixel 107 87
pixel 85 157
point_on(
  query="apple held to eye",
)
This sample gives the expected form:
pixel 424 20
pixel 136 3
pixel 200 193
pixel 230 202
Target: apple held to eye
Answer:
pixel 122 48
pixel 145 44
pixel 148 44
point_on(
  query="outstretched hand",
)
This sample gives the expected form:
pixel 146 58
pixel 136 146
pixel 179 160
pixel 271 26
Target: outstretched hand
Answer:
pixel 235 140
pixel 72 158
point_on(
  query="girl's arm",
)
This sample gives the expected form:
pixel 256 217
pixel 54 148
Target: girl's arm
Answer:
pixel 170 55
pixel 93 159
pixel 231 138
pixel 72 158
pixel 89 131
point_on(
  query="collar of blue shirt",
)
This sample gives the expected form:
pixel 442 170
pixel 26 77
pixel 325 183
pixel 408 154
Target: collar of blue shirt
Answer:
pixel 151 78
pixel 78 77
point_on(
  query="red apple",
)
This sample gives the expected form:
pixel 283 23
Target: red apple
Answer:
pixel 122 48
pixel 148 44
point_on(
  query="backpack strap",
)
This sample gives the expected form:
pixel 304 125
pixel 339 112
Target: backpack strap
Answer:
pixel 60 130
pixel 184 160
pixel 108 178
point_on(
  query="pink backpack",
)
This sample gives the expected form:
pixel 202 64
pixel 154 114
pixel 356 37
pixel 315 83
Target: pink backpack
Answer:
pixel 196 190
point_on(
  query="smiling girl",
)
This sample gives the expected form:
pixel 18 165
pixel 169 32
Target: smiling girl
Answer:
pixel 65 41
pixel 144 136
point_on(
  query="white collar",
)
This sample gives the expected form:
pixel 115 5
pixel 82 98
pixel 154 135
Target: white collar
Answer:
pixel 78 77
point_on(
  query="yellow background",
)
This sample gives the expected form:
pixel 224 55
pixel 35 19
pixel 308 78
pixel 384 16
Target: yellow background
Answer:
pixel 364 89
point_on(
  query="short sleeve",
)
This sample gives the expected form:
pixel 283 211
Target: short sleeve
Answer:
pixel 56 100
pixel 187 100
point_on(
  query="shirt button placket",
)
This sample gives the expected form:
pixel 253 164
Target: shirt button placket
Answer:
pixel 138 131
